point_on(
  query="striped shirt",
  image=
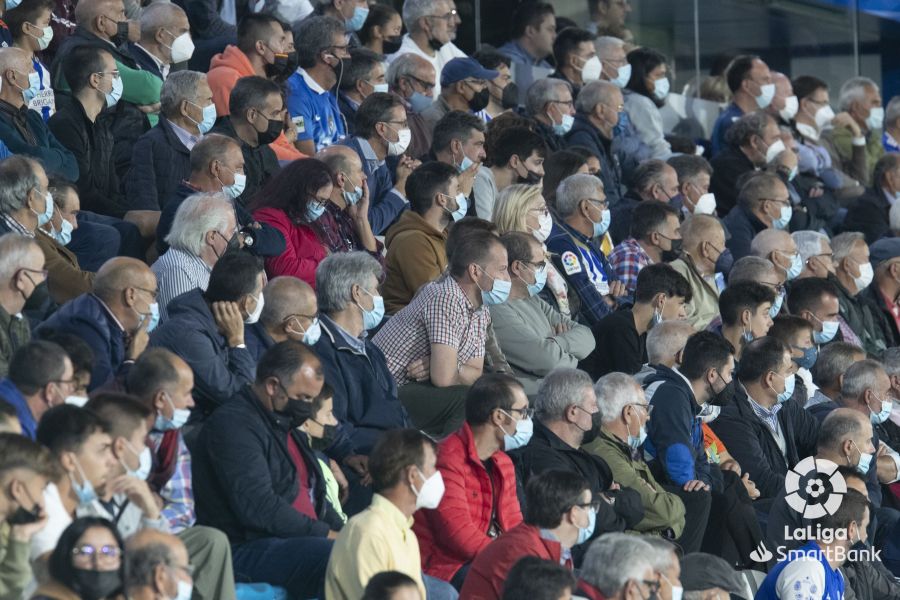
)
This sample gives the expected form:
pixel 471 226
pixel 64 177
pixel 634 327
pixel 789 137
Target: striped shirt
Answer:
pixel 178 272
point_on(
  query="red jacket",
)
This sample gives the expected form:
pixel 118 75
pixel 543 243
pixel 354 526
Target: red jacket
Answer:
pixel 453 533
pixel 303 251
pixel 490 568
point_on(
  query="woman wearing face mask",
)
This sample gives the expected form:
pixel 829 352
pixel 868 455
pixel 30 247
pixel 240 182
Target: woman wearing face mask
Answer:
pixel 292 202
pixel 86 564
pixel 644 95
pixel 66 279
pixel 381 31
pixel 29 24
pixel 472 461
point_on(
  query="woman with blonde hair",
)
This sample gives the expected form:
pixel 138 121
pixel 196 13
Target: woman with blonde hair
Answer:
pixel 521 207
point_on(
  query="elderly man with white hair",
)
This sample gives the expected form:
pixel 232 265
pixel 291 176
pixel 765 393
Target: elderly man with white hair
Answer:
pixel 413 79
pixel 815 252
pixel 778 246
pixel 619 567
pixel 431 27
pixel 550 103
pixel 203 230
pixel 21 270
pixel 665 343
pixel 857 149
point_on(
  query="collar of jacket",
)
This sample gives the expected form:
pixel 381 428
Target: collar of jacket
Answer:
pixel 337 340
pixel 543 432
pixel 94 39
pixel 583 122
pixel 468 439
pixel 667 375
pixel 608 437
pixel 276 421
pixel 172 138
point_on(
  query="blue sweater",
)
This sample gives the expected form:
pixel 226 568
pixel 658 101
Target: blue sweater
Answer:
pixel 804 579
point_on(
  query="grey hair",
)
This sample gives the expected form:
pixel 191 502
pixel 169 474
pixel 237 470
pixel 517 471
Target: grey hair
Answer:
pixel 853 90
pixel 572 190
pixel 666 339
pixel 839 425
pixel 890 360
pixel 197 215
pixel 14 249
pixel 543 91
pixel 752 124
pixel 413 10
pixel 767 241
pixel 892 112
pixel 404 65
pixel 614 392
pixel 665 555
pixel 834 359
pixel 614 559
pixel 593 94
pixel 18 176
pixel 809 243
pixel 156 16
pixel 842 245
pixel 750 268
pixel 560 389
pixel 649 173
pixel 606 43
pixel 313 35
pixel 337 274
pixel 859 377
pixel 180 85
pixel 141 563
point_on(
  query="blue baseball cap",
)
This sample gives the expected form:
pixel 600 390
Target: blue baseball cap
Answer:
pixel 464 68
pixel 883 250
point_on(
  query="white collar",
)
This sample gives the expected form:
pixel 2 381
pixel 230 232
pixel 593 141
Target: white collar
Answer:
pixel 312 83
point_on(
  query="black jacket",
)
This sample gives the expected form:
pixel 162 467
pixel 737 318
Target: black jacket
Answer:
pixel 584 133
pixel 260 163
pixel 553 141
pixel 348 111
pixel 866 320
pixel 268 241
pixel 92 144
pixel 869 215
pixel 751 443
pixel 742 226
pixel 620 217
pixel 728 167
pixel 619 347
pixel 245 480
pixel 159 163
pixel 873 297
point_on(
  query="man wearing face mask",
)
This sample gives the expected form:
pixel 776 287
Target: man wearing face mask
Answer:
pixel 576 58
pixel 704 242
pixel 352 13
pixel 652 181
pixel 815 252
pixel 625 415
pixel 885 290
pixel 784 105
pixel 257 479
pixel 856 150
pixel 779 247
pixel 549 104
pixel 256 120
pixel 25 470
pixel 157 565
pixel 365 395
pixel 40 377
pixel 411 79
pixel 204 229
pixel 750 82
pixel 763 204
pixel 115 319
pixel 217 165
pixel 694 174
pixel 517 156
pixel 21 269
pixel 405 479
pixel 206 328
pixel 655 238
pixel 533 29
pixel 504 93
pixel 363 75
pixel 416 244
pixel 870 213
pixel 165 39
pixel 472 460
pixel 290 313
pixel 853 274
pixel 464 86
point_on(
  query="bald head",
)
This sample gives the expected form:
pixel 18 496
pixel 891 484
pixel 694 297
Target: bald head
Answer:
pixel 120 273
pixel 100 16
pixel 341 159
pixel 289 308
pixel 155 562
pixel 14 59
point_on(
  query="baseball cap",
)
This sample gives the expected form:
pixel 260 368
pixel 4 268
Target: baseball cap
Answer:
pixel 884 249
pixel 464 68
pixel 701 571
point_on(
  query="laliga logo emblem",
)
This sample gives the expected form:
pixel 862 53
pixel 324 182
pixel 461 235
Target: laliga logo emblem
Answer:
pixel 822 476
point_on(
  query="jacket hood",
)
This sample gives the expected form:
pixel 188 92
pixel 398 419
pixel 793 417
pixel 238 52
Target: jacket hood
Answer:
pixel 412 221
pixel 233 58
pixel 665 375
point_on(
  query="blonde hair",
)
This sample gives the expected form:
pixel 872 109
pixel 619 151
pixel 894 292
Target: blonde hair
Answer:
pixel 512 205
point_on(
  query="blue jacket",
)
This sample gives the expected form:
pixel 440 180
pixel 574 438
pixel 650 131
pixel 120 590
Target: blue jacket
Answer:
pixel 143 60
pixel 385 205
pixel 365 394
pixel 742 225
pixel 10 393
pixel 833 585
pixel 257 340
pixel 245 480
pixel 191 333
pixel 675 434
pixel 731 114
pixel 159 163
pixel 86 317
pixel 53 156
pixel 583 133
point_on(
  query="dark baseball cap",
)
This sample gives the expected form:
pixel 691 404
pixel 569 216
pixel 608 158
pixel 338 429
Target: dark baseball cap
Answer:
pixel 701 571
pixel 884 249
pixel 464 68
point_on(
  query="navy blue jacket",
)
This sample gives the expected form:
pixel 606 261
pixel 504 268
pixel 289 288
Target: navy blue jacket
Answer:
pixel 728 167
pixel 620 217
pixel 268 240
pixel 245 480
pixel 53 156
pixel 191 333
pixel 143 60
pixel 385 205
pixel 731 114
pixel 675 434
pixel 583 133
pixel 743 226
pixel 87 318
pixel 257 340
pixel 365 394
pixel 751 443
pixel 159 163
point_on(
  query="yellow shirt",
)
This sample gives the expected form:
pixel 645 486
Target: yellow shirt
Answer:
pixel 378 539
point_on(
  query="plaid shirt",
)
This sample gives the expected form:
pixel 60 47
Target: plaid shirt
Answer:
pixel 627 260
pixel 178 493
pixel 439 314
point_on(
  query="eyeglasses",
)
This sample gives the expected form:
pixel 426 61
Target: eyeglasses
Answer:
pixel 524 413
pixel 646 406
pixel 115 74
pixel 42 272
pixel 778 287
pixel 404 124
pixel 541 210
pixel 778 201
pixel 153 293
pixel 594 504
pixel 566 103
pixel 104 554
pixel 186 569
pixel 425 84
pixel 449 16
pixel 298 316
pixel 601 204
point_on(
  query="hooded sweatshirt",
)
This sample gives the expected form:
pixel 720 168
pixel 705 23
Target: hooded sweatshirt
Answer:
pixel 416 254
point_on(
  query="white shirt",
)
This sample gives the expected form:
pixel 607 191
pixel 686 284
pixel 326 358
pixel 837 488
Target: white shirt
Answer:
pixel 448 52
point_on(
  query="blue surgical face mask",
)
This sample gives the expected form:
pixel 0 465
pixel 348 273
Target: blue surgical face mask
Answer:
pixel 635 441
pixel 829 330
pixel 115 94
pixel 353 197
pixel 154 317
pixel 356 22
pixel 371 318
pixel 564 127
pixel 524 430
pixel 466 163
pixel 796 267
pixel 881 417
pixel 601 227
pixel 808 359
pixel 782 222
pixel 661 88
pixel 180 416
pixel 584 534
pixel 85 490
pixel 540 280
pixel 44 217
pixel 209 118
pixel 419 102
pixel 776 306
pixel 865 460
pixel 499 292
pixel 314 210
pixel 622 76
pixel 788 388
pixel 34 86
pixel 64 235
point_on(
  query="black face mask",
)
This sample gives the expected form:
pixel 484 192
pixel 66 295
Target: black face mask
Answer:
pixel 722 398
pixel 675 252
pixel 392 44
pixel 276 126
pixel 281 69
pixel 480 100
pixel 434 44
pixel 297 411
pixel 510 97
pixel 329 433
pixel 121 33
pixel 93 585
pixel 591 434
pixel 24 516
pixel 724 262
pixel 531 178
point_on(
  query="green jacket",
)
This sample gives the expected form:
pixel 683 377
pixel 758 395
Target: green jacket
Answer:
pixel 15 571
pixel 865 319
pixel 855 161
pixel 662 509
pixel 14 333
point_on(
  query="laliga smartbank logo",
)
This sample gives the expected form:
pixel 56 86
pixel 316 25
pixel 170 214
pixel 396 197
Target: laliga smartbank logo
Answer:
pixel 814 488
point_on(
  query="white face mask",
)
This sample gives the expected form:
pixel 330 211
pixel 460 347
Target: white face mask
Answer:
pixel 774 149
pixel 432 490
pixel 866 275
pixel 399 147
pixel 185 590
pixel 545 225
pixel 823 117
pixel 254 316
pixel 706 204
pixel 875 119
pixel 145 463
pixel 791 105
pixel 182 49
pixel 78 401
pixel 591 69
